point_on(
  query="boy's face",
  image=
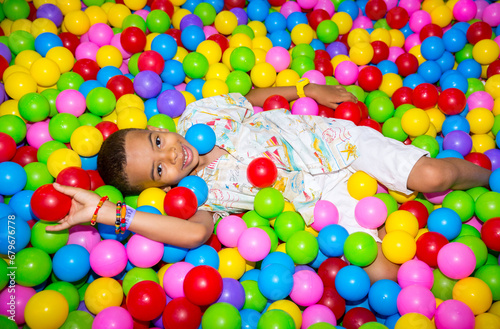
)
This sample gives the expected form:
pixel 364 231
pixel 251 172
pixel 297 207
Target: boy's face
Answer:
pixel 158 158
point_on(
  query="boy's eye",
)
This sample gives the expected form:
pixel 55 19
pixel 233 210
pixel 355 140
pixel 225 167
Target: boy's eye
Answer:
pixel 159 169
pixel 158 141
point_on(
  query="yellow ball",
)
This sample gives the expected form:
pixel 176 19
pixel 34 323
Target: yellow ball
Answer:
pixel 38 3
pixel 62 57
pixel 432 131
pixel 397 38
pixel 451 3
pixel 153 197
pixel 343 21
pixel 475 293
pixel 414 320
pixel 10 106
pixel 441 16
pixel 402 198
pixel 86 141
pixel 291 308
pixel 214 87
pixel 482 143
pixel 383 35
pixel 178 3
pixel 211 50
pixel 21 25
pixel 429 5
pixel 41 25
pixel 19 84
pixel 258 28
pixel 311 230
pixel 402 220
pixel 225 22
pixel 262 43
pixel 135 4
pixel 399 247
pixel 496 106
pixel 226 57
pixel 232 265
pixel 61 159
pixel 487 321
pixel 481 120
pixel 13 69
pixel 109 56
pixel 492 86
pixel 339 59
pixel 129 100
pixel 436 117
pixel 149 40
pixel 390 83
pixel 302 33
pixel 287 77
pixel 117 14
pixel 485 51
pixel 361 185
pixel 26 58
pixel 263 75
pixel 46 309
pixel 6 25
pixel 67 6
pixel 361 53
pixel 102 293
pixel 161 273
pixel 180 54
pixel 495 308
pixel 240 40
pixel 178 16
pixel 96 15
pixel 415 122
pixel 415 50
pixel 260 55
pixel 77 22
pixel 358 35
pixel 132 117
pixel 45 71
pixel 188 97
pixel 107 7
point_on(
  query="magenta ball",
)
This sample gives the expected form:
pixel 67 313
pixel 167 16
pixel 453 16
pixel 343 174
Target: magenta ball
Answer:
pixel 456 260
pixel 491 14
pixel 229 230
pixel 113 317
pixel 416 299
pixel 436 197
pixel 305 106
pixel 326 5
pixel 21 296
pixel 108 258
pixel 71 101
pixel 370 212
pixel 254 244
pixel 410 6
pixel 419 19
pixel 173 279
pixel 85 236
pixel 86 50
pixel 290 7
pixel 362 22
pixel 116 42
pixel 279 58
pixel 454 314
pixel 415 272
pixel 307 288
pixel 100 34
pixel 412 41
pixel 318 313
pixel 346 73
pixel 38 134
pixel 480 99
pixel 464 10
pixel 325 213
pixel 143 252
pixel 315 76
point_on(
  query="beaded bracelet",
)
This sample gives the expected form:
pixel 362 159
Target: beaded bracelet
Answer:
pixel 121 210
pixel 99 205
pixel 123 213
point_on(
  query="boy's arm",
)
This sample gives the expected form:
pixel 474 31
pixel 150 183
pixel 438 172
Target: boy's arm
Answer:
pixel 326 95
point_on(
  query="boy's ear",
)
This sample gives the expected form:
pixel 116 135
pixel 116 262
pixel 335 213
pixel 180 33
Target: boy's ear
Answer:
pixel 153 128
pixel 166 188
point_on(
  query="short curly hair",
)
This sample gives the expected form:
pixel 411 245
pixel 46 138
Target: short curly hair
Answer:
pixel 111 162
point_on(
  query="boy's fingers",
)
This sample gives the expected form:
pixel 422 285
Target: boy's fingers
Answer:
pixel 58 227
pixel 68 190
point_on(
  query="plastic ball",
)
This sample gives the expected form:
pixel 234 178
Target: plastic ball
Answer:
pixel 180 202
pixel 383 295
pixel 254 244
pixel 361 185
pixel 71 263
pixel 360 249
pixel 146 300
pixel 171 102
pixel 302 247
pixel 202 137
pixel 490 232
pixel 113 316
pixel 352 276
pixel 275 281
pixel 262 172
pixel 181 313
pixel 46 308
pixel 202 285
pixel 108 258
pixel 399 247
pixel 456 260
pixel 454 314
pixel 307 288
pixel 50 204
pixel 275 102
pixel 346 72
pixel 416 299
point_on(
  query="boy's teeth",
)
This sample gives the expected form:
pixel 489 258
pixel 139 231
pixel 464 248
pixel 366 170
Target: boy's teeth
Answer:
pixel 185 156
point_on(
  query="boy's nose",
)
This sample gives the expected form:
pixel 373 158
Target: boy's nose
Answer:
pixel 171 155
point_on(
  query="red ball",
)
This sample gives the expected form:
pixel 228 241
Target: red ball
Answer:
pixel 324 66
pixel 430 30
pixel 86 68
pixel 74 176
pixel 397 18
pixel 403 95
pixel 348 111
pixel 333 301
pixel 7 147
pixel 230 4
pixel 133 40
pixel 380 51
pixel 375 9
pixel 479 159
pixel 180 202
pixel 428 246
pixel 364 110
pixel 214 242
pixel 146 300
pixel 262 172
pixel 490 233
pixel 407 64
pixel 325 111
pixel 317 16
pixel 418 209
pixel 106 128
pixel 164 5
pixel 370 78
pixel 3 66
pixel 176 34
pixel 328 270
pixel 478 31
pixel 356 317
pixel 220 40
pixel 25 154
pixel 320 53
pixel 371 123
pixel 493 69
pixel 70 41
pixel 452 101
pixel 151 60
pixel 425 96
pixel 180 313
pixel 274 102
pixel 95 179
pixel 50 205
pixel 202 285
pixel 120 85
pixel 276 3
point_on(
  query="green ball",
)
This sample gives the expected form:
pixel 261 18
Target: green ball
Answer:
pixel 69 292
pixel 276 319
pixel 490 274
pixel 477 246
pixel 372 325
pixel 21 40
pixel 254 299
pixel 381 23
pixel 162 121
pixel 138 274
pixel 69 80
pixel 253 219
pixel 242 59
pixel 475 192
pixel 50 242
pixel 429 205
pixel 303 49
pixel 78 320
pixel 465 53
pixel 474 85
pixel 51 96
pixel 287 223
pixel 4 279
pixel 488 206
pixel 461 202
pixel 82 289
pixel 62 125
pixel 135 21
pixel 401 109
pixel 38 175
pixel 46 149
pixel 78 284
pixel 195 65
pixel 390 202
pixel 360 249
pixel 302 247
pixel 206 12
pixel 269 202
pixel 496 125
pixel 392 128
pixel 331 81
pixel 356 91
pixel 443 285
pixel 427 143
pixel 302 64
pixel 327 31
pixel 89 119
pixel 239 82
pixel 34 107
pixel 491 260
pixel 101 101
pixel 272 236
pixel 13 126
pixel 244 29
pixel 16 9
pixel 2 17
pixel 374 94
pixel 89 3
pixel 112 192
pixel 221 316
pixel 131 200
pixel 7 323
pixel 133 66
pixel 33 267
pixel 158 21
pixel 468 230
pixel 321 325
pixel 381 109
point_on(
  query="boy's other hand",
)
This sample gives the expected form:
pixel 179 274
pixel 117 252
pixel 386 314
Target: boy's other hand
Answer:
pixel 330 96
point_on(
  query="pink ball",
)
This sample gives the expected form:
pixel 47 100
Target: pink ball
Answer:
pixel 419 19
pixel 415 272
pixel 85 236
pixel 454 314
pixel 307 288
pixel 480 99
pixel 108 258
pixel 315 76
pixel 18 304
pixel 307 4
pixel 254 244
pixel 100 34
pixel 257 109
pixel 143 252
pixel 279 58
pixel 124 67
pixel 370 212
pixel 209 30
pixel 436 197
pixel 416 299
pixel 180 87
pixel 464 10
pixel 325 213
pixel 362 22
pixel 491 14
pixel 475 222
pixel 411 41
pixel 71 101
pixel 326 5
pixel 456 260
pixel 38 134
pixel 290 7
pixel 411 6
pixel 84 37
pixel 481 6
pixel 86 50
pixel 391 4
pixel 346 73
pixel 229 230
pixel 113 317
pixel 317 313
pixel 173 279
pixel 115 42
pixel 305 106
pixel 143 13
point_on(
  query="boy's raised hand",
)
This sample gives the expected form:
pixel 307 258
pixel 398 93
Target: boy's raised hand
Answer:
pixel 331 96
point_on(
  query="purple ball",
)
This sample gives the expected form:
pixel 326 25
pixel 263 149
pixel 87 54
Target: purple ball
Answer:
pixel 171 102
pixel 459 141
pixel 241 15
pixel 5 52
pixel 494 156
pixel 191 19
pixel 232 293
pixel 51 12
pixel 336 48
pixel 147 84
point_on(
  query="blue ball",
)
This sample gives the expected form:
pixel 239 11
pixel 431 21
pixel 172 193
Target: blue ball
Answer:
pixel 151 108
pixel 331 239
pixel 252 275
pixel 257 10
pixel 495 180
pixel 6 210
pixel 430 71
pixel 165 45
pixel 320 258
pixel 470 68
pixel 413 80
pixel 203 255
pixel 20 203
pixel 454 79
pixel 71 263
pixel 173 254
pixel 217 4
pixel 278 257
pixel 13 178
pixel 383 296
pixel 201 137
pixel 362 5
pixel 89 163
pixel 350 7
pixel 107 232
pixel 192 36
pixel 106 73
pixel 13 242
pixel 406 30
pixel 191 4
pixel 391 321
pixel 387 66
pixel 281 38
pixel 455 122
pixel 173 73
pixel 275 281
pixel 46 41
pixel 198 186
pixel 149 209
pixel 249 318
pixel 88 86
pixel 275 22
pixel 295 19
pixel 445 221
pixel 316 44
pixel 195 87
pixel 454 39
pixel 432 48
pixel 165 86
pixel 352 283
pixel 446 62
pixel 463 26
pixel 449 154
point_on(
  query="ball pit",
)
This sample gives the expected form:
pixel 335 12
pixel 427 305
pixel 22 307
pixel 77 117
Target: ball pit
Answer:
pixel 425 73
